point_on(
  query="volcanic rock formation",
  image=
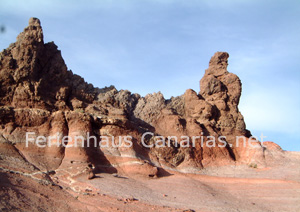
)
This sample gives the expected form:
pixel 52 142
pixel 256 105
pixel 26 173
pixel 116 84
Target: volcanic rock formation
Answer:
pixel 38 94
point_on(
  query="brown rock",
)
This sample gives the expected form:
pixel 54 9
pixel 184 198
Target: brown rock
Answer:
pixel 38 94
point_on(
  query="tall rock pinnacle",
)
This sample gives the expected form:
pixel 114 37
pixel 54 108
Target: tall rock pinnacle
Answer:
pixel 32 34
pixel 34 74
pixel 223 89
pixel 218 64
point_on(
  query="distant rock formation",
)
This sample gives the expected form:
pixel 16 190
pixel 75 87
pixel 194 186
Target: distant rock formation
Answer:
pixel 38 94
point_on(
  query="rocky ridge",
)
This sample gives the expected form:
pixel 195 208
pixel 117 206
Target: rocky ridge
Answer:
pixel 38 94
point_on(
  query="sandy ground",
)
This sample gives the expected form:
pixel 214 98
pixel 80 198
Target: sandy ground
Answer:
pixel 222 189
pixel 242 188
pixel 204 193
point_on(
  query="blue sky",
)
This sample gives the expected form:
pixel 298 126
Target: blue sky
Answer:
pixel 165 45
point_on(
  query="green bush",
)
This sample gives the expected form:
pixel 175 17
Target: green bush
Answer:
pixel 253 165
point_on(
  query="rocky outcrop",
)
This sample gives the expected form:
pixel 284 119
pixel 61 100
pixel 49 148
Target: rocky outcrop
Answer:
pixel 223 90
pixel 38 94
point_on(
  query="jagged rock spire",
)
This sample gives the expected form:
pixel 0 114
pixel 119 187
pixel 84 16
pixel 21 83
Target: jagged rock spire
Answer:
pixel 223 89
pixel 32 34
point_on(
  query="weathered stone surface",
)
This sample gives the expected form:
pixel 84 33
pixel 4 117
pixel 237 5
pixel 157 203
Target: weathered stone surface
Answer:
pixel 38 94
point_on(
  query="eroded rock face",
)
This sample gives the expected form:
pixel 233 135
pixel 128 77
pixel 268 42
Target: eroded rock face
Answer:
pixel 38 94
pixel 223 90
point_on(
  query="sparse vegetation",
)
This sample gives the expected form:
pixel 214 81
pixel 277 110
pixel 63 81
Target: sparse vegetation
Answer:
pixel 253 165
pixel 79 110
